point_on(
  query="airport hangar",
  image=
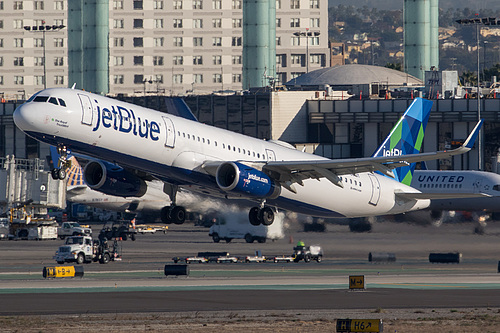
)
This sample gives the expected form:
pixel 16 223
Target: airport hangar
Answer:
pixel 314 113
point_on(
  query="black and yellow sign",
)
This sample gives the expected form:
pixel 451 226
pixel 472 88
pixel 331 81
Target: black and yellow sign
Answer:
pixel 62 271
pixel 356 282
pixel 360 325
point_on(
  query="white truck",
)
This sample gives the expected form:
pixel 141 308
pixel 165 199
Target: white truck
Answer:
pixel 235 225
pixel 72 229
pixel 83 249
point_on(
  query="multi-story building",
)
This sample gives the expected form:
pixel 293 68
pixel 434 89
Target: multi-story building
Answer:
pixel 165 46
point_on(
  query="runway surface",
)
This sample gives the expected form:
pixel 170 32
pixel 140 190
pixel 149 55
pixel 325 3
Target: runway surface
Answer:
pixel 137 283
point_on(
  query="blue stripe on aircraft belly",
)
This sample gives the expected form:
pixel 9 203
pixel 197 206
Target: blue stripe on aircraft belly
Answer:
pixel 174 175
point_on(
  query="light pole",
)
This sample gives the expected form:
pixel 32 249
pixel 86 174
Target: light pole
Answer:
pixel 43 28
pixel 485 43
pixel 477 22
pixel 307 34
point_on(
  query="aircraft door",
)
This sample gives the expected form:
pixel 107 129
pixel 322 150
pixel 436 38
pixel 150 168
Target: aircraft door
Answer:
pixel 477 185
pixel 375 190
pixel 86 109
pixel 270 155
pixel 170 132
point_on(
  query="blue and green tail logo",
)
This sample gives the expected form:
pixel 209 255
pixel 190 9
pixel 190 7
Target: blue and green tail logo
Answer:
pixel 407 137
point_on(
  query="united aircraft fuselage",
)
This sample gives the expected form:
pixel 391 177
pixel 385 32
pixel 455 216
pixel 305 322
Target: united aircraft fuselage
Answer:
pixel 179 151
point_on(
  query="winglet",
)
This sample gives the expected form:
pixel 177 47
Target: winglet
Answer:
pixel 469 143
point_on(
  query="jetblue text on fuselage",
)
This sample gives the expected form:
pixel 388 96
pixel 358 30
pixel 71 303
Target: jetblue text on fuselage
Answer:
pixel 440 179
pixel 124 120
pixel 393 152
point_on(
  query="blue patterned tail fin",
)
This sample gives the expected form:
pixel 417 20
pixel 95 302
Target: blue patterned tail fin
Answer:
pixel 407 137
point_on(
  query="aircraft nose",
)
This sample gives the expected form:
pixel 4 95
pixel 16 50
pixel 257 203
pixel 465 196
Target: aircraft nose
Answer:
pixel 24 117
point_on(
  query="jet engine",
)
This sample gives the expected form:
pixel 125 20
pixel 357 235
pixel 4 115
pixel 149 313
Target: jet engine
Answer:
pixel 113 180
pixel 239 178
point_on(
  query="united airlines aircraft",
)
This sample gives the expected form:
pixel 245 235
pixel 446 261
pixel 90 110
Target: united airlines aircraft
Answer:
pixel 134 144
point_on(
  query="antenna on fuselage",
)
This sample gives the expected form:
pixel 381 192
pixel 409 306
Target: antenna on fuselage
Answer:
pixel 74 85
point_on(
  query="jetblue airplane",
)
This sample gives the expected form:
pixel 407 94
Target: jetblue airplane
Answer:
pixel 134 144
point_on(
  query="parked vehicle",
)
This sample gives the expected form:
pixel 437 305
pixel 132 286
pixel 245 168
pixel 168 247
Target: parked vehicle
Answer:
pixel 83 249
pixel 73 229
pixel 117 230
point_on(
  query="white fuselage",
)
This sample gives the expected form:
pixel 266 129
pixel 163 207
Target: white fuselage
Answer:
pixel 174 150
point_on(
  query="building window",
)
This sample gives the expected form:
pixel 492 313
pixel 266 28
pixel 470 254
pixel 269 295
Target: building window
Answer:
pixel 177 23
pixel 197 4
pixel 314 4
pixel 118 24
pixel 17 24
pixel 119 42
pixel 1 61
pixel 294 75
pixel 314 41
pixel 197 41
pixel 217 60
pixel 138 42
pixel 217 41
pixel 158 41
pixel 158 4
pixel 217 78
pixel 138 60
pixel 118 79
pixel 138 23
pixel 178 60
pixel 278 41
pixel 236 78
pixel 178 41
pixel 18 5
pixel 177 79
pixel 197 60
pixel 58 42
pixel 58 79
pixel 138 78
pixel 237 4
pixel 198 78
pixel 314 22
pixel 278 4
pixel 58 61
pixel 58 5
pixel 197 23
pixel 18 42
pixel 315 58
pixel 138 4
pixel 216 4
pixel 294 4
pixel 177 4
pixel 278 23
pixel 38 5
pixel 117 4
pixel 236 60
pixel 158 23
pixel 296 59
pixel 118 61
pixel 236 41
pixel 38 80
pixel 216 23
pixel 295 41
pixel 158 61
pixel 18 80
pixel 38 61
pixel 295 23
pixel 1 78
pixel 237 23
pixel 18 61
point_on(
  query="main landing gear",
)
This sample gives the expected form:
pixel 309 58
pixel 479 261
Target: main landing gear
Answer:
pixel 258 215
pixel 173 213
pixel 62 164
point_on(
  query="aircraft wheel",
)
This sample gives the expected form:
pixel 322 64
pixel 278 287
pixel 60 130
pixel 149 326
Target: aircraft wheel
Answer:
pixel 165 215
pixel 253 216
pixel 266 215
pixel 54 174
pixel 61 174
pixel 178 215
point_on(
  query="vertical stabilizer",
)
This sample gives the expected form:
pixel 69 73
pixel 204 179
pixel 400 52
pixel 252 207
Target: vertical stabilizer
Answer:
pixel 407 137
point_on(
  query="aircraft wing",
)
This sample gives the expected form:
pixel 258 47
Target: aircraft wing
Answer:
pixel 289 172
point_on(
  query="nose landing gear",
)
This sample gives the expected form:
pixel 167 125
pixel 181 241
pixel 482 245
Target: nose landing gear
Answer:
pixel 62 164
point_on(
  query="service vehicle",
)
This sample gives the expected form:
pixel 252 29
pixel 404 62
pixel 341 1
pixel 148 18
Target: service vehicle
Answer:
pixel 307 253
pixel 283 258
pixel 226 259
pixel 234 225
pixel 83 249
pixel 150 229
pixel 255 259
pixel 73 229
pixel 118 230
pixel 195 259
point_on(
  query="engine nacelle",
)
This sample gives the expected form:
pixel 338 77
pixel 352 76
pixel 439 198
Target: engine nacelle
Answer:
pixel 240 178
pixel 113 180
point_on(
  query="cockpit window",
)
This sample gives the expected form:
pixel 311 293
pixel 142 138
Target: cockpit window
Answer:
pixel 496 187
pixel 41 99
pixel 53 100
pixel 61 102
